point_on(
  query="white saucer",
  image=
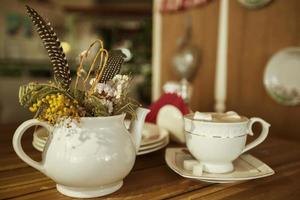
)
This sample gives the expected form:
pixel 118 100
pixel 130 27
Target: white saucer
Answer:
pixel 154 145
pixel 40 135
pixel 153 134
pixel 247 167
pixel 142 152
pixel 38 146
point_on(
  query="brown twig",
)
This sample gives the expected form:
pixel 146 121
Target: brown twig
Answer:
pixel 100 71
pixel 102 63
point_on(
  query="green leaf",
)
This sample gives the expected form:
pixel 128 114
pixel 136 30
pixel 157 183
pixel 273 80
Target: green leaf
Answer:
pixel 94 107
pixel 79 95
pixel 31 93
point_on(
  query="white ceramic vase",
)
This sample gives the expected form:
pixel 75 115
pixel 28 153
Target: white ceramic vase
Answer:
pixel 89 158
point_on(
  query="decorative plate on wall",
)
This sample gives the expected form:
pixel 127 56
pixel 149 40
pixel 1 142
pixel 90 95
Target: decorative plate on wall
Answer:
pixel 282 76
pixel 254 3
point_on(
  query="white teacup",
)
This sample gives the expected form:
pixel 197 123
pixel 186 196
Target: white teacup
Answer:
pixel 217 142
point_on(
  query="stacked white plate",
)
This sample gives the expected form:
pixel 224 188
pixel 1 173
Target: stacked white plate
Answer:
pixel 40 137
pixel 154 138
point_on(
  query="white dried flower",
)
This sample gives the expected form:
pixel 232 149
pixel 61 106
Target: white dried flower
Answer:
pixel 100 87
pixel 117 77
pixel 120 83
pixel 109 105
pixel 111 93
pixel 92 81
pixel 118 94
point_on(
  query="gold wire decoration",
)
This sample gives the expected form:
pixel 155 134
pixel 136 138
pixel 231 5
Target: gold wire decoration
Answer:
pixel 102 64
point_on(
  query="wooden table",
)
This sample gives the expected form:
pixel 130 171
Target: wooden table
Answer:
pixel 152 179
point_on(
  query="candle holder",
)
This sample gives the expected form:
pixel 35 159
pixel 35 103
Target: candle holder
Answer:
pixel 186 60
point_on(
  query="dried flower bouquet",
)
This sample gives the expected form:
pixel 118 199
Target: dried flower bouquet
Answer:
pixel 98 91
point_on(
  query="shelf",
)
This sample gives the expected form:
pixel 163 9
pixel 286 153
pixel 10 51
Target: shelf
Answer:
pixel 140 9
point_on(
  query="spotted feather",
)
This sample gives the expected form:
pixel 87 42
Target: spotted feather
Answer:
pixel 114 63
pixel 53 46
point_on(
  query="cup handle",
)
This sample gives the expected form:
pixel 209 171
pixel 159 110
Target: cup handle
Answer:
pixel 18 146
pixel 261 137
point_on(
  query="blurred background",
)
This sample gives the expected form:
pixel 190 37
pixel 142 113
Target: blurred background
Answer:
pixel 174 44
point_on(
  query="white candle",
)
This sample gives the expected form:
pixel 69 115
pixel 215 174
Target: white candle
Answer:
pixel 156 50
pixel 221 63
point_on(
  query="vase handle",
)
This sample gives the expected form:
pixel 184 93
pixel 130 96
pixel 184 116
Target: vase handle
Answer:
pixel 264 133
pixel 18 146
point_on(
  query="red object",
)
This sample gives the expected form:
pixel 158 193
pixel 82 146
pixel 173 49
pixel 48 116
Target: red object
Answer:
pixel 166 99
